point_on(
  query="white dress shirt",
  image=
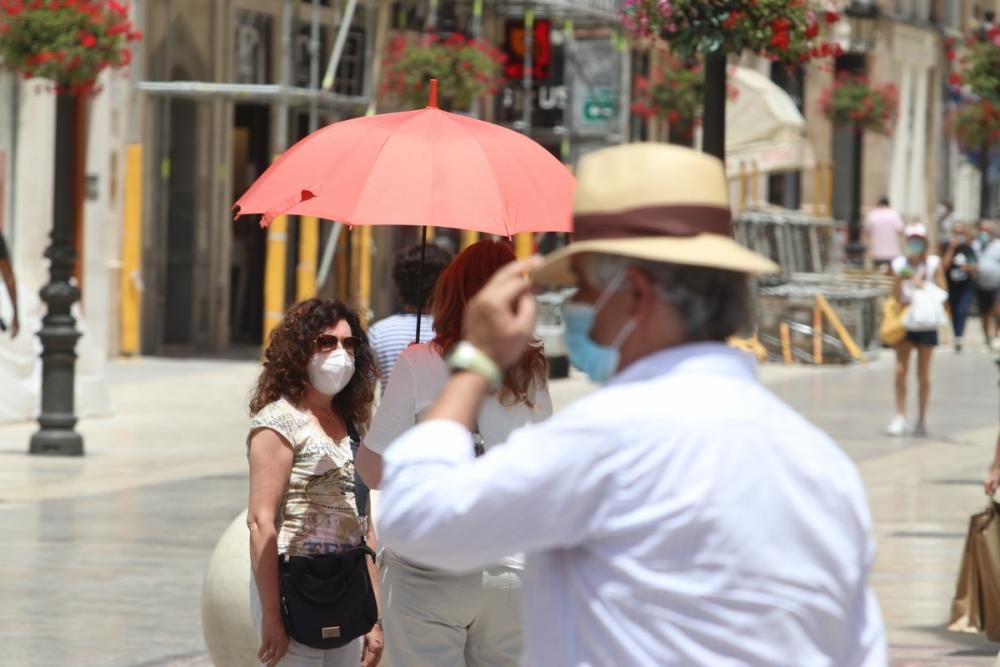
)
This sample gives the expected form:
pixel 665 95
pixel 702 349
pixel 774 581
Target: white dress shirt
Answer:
pixel 680 516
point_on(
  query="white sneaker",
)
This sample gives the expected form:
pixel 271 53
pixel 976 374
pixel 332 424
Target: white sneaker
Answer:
pixel 897 426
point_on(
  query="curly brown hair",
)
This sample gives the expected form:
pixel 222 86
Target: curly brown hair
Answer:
pixel 290 347
pixel 467 274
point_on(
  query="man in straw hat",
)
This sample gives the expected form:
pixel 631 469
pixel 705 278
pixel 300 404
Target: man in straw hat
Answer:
pixel 681 514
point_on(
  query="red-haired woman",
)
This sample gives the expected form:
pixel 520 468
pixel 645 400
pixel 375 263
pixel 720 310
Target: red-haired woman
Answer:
pixel 435 618
pixel 316 387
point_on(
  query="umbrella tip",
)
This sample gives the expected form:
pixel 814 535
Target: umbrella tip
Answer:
pixel 432 97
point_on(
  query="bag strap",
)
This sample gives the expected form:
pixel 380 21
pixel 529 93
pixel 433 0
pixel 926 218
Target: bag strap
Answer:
pixel 362 494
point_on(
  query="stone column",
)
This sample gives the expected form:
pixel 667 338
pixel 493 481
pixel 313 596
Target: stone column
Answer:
pixel 916 203
pixel 901 141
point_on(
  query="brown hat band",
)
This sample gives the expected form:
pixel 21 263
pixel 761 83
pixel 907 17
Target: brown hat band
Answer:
pixel 654 221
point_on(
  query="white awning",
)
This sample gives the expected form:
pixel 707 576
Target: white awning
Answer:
pixel 764 127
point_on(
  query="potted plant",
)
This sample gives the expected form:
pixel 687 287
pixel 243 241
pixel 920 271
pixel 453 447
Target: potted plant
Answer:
pixel 789 31
pixel 976 126
pixel 465 69
pixel 851 101
pixel 68 42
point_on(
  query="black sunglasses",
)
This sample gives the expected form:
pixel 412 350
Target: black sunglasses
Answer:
pixel 329 343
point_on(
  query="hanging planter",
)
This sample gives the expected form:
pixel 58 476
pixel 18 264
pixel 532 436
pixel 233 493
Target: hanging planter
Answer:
pixel 673 93
pixel 976 126
pixel 465 69
pixel 853 102
pixel 68 42
pixel 788 31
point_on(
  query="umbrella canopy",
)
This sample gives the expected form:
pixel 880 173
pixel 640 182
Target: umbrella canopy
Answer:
pixel 422 168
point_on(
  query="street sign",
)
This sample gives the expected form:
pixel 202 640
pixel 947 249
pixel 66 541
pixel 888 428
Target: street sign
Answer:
pixel 600 106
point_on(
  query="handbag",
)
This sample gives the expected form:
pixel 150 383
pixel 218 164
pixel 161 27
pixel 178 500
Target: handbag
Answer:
pixel 328 601
pixel 976 605
pixel 891 330
pixel 926 311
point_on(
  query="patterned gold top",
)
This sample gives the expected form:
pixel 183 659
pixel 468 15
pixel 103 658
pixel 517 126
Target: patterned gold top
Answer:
pixel 318 513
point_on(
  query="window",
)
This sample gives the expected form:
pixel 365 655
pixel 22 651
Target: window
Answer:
pixel 350 79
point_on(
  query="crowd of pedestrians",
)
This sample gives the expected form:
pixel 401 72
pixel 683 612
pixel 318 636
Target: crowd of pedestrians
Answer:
pixel 603 535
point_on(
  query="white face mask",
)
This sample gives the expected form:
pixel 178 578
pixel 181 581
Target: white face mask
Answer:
pixel 329 372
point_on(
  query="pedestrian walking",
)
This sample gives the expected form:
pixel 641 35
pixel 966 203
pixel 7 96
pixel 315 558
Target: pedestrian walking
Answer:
pixel 7 273
pixel 912 272
pixel 433 617
pixel 390 336
pixel 987 248
pixel 960 270
pixel 883 227
pixel 660 513
pixel 316 389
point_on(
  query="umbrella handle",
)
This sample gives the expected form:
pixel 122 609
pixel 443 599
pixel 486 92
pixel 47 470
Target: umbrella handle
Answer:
pixel 423 255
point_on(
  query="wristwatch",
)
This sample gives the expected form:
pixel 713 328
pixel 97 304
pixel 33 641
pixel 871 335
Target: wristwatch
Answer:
pixel 467 357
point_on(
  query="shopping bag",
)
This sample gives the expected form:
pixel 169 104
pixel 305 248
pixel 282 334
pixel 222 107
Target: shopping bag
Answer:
pixel 891 331
pixel 976 606
pixel 926 311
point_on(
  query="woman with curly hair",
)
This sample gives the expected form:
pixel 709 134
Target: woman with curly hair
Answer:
pixel 316 389
pixel 435 618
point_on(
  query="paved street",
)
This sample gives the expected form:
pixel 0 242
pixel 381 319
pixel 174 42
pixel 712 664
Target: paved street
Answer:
pixel 103 556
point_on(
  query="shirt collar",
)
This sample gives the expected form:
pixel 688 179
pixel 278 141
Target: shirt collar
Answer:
pixel 693 358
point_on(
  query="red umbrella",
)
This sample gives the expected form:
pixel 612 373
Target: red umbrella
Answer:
pixel 420 168
pixel 427 168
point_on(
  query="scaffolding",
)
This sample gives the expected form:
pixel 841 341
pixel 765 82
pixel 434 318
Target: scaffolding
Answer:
pixel 320 95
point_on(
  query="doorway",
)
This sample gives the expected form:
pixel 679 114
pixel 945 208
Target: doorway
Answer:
pixel 251 145
pixel 180 232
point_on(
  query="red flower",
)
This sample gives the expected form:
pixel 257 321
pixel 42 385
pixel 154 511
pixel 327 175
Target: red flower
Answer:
pixel 955 79
pixel 812 30
pixel 831 16
pixel 780 40
pixel 673 117
pixel 134 36
pixel 117 8
pixel 780 25
pixel 950 55
pixel 87 40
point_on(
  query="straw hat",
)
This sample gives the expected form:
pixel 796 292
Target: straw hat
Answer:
pixel 655 202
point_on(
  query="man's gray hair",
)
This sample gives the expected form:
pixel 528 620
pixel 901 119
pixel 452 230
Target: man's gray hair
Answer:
pixel 713 304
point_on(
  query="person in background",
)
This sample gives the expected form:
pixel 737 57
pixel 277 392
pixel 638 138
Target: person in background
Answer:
pixel 434 618
pixel 987 248
pixel 946 221
pixel 882 230
pixel 993 474
pixel 911 271
pixel 679 515
pixel 316 388
pixel 7 273
pixel 390 336
pixel 960 270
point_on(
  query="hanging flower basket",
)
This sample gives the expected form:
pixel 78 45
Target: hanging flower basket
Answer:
pixel 68 42
pixel 976 126
pixel 853 102
pixel 788 31
pixel 465 69
pixel 977 68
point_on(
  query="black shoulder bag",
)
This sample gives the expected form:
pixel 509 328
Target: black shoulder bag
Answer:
pixel 328 601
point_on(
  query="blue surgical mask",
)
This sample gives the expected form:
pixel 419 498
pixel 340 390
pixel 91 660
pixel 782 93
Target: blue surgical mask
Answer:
pixel 916 246
pixel 984 237
pixel 599 362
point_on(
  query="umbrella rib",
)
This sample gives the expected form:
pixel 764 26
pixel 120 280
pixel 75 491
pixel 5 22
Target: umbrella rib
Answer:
pixel 496 182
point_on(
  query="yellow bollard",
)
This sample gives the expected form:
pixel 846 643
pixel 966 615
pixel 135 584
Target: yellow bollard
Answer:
pixel 817 333
pixel 130 283
pixel 468 238
pixel 524 245
pixel 274 274
pixel 364 271
pixel 305 272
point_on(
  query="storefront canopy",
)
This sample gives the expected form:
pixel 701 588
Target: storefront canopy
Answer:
pixel 764 127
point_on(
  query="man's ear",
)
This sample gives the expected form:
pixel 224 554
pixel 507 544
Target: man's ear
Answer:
pixel 641 292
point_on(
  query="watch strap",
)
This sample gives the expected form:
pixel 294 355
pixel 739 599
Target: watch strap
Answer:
pixel 467 357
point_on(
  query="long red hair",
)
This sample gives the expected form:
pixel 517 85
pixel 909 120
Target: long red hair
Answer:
pixel 467 274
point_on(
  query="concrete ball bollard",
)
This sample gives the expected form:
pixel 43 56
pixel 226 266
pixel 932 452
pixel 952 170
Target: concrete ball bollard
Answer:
pixel 225 600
